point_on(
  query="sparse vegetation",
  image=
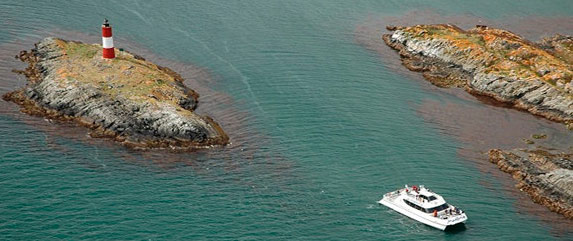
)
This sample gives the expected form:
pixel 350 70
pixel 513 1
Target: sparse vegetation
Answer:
pixel 132 77
pixel 80 50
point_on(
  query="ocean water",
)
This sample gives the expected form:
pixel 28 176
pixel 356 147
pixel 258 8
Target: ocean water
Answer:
pixel 322 117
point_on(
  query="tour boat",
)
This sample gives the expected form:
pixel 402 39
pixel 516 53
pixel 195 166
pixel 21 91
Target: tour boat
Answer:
pixel 425 206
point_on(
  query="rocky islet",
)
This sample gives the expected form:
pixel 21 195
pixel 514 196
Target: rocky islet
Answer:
pixel 492 62
pixel 128 99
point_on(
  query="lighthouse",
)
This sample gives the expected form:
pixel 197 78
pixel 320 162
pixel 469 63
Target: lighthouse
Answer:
pixel 107 40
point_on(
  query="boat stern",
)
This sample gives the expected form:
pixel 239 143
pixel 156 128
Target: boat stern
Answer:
pixel 461 218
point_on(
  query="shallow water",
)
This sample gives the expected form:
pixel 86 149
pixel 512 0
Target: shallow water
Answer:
pixel 322 117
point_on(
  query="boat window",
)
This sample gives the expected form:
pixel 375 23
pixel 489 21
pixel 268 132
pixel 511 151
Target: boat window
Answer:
pixel 430 198
pixel 438 208
pixel 414 206
pixel 427 210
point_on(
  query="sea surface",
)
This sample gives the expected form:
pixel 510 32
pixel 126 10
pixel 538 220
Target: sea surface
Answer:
pixel 323 121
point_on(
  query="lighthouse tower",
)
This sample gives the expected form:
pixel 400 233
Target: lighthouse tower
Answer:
pixel 107 40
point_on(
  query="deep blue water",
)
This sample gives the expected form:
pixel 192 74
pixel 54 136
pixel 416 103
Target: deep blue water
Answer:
pixel 321 126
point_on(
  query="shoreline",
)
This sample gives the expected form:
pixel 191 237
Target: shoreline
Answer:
pixel 534 177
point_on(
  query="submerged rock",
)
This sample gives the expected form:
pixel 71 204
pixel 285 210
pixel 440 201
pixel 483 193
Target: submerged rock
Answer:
pixel 128 99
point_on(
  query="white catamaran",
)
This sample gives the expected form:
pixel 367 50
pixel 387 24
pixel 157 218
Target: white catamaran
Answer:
pixel 425 206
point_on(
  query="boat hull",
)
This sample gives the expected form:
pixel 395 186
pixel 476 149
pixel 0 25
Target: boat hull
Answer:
pixel 430 221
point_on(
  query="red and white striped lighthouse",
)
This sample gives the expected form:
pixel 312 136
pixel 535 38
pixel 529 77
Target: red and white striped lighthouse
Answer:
pixel 107 40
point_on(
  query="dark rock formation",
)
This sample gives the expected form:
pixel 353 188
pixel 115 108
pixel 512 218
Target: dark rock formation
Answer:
pixel 546 177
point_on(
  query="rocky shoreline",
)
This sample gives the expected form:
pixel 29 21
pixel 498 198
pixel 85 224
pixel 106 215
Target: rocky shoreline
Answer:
pixel 546 177
pixel 534 77
pixel 494 63
pixel 127 99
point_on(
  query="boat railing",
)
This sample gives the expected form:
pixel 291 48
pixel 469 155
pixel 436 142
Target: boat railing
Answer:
pixel 392 195
pixel 450 213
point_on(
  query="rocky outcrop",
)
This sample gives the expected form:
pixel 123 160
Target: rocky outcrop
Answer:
pixel 493 62
pixel 546 177
pixel 128 99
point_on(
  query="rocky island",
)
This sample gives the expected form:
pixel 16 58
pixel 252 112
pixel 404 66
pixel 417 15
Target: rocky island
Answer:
pixel 128 99
pixel 493 62
pixel 534 77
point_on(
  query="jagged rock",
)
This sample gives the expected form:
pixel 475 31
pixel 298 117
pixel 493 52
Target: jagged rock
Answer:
pixel 492 62
pixel 546 177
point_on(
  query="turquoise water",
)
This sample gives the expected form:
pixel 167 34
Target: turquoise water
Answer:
pixel 321 128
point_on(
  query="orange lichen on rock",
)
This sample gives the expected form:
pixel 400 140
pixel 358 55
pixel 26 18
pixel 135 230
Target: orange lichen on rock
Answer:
pixel 507 52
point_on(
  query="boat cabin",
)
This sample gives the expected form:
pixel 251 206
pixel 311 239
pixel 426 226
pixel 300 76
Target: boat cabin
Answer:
pixel 425 200
pixel 439 208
